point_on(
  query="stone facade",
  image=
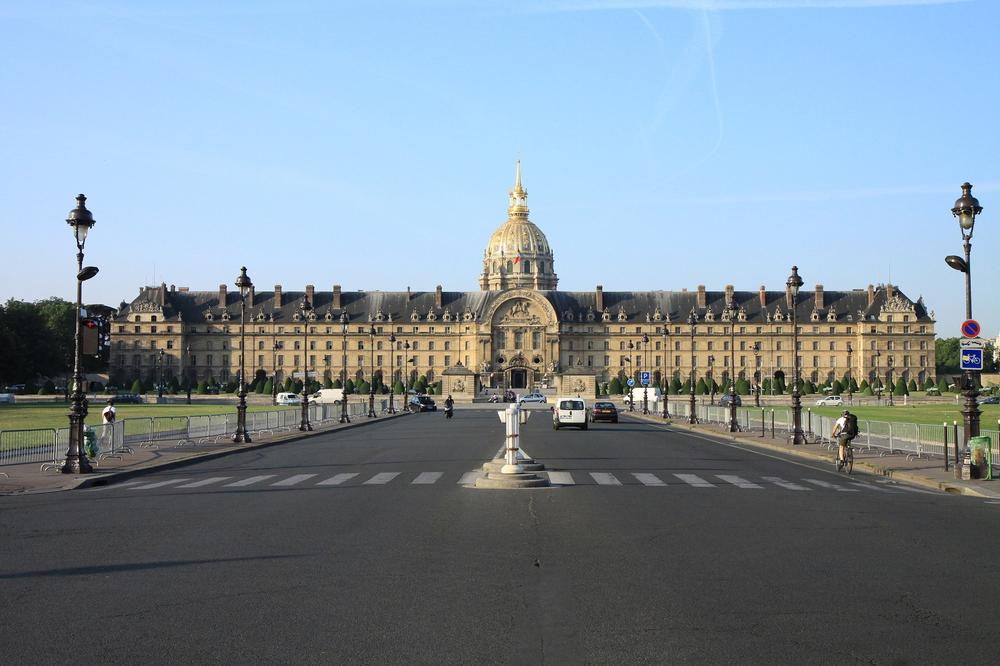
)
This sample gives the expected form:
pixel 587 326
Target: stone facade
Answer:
pixel 519 331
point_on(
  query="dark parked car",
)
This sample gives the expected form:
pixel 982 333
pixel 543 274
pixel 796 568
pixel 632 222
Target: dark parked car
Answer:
pixel 422 403
pixel 604 411
pixel 724 400
pixel 124 398
pixel 990 400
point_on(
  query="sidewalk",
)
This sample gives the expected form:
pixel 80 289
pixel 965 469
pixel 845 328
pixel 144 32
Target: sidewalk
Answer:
pixel 28 478
pixel 926 472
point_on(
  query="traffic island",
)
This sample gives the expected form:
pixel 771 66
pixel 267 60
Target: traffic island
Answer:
pixel 516 469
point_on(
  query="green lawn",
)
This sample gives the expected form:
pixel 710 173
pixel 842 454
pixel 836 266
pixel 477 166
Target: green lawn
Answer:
pixel 26 417
pixel 935 413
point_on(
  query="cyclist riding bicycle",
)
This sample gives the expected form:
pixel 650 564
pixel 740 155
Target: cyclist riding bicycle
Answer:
pixel 845 429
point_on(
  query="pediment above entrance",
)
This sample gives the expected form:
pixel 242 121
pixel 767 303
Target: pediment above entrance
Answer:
pixel 521 308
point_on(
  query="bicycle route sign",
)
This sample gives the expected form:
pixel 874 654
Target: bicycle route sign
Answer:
pixel 644 378
pixel 630 382
pixel 972 359
pixel 970 328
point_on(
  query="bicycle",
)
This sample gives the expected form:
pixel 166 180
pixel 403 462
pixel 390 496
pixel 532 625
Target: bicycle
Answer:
pixel 848 460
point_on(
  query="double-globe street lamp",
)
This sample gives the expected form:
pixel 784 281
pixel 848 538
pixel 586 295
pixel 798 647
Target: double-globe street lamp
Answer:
pixel 666 378
pixel 966 209
pixel 850 391
pixel 392 371
pixel 631 401
pixel 794 284
pixel 81 221
pixel 241 435
pixel 758 375
pixel 274 370
pixel 304 311
pixel 344 418
pixel 159 376
pixel 692 322
pixel 371 375
pixel 733 423
pixel 645 386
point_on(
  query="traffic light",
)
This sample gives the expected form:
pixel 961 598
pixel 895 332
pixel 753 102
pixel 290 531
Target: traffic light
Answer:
pixel 90 336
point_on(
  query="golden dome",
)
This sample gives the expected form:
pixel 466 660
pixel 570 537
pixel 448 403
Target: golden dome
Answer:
pixel 517 237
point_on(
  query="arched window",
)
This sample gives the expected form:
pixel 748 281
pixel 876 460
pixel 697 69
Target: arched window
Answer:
pixel 527 267
pixel 510 267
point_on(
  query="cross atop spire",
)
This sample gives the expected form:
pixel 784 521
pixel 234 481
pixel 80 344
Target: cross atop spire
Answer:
pixel 518 208
pixel 517 183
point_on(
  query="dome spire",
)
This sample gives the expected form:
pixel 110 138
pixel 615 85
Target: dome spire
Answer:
pixel 517 182
pixel 518 208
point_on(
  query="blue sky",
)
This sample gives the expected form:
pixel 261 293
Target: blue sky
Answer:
pixel 664 144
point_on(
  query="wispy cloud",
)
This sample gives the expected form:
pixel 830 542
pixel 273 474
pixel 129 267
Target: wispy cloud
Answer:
pixel 730 5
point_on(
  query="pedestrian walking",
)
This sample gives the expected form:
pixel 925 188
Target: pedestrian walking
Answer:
pixel 108 425
pixel 449 407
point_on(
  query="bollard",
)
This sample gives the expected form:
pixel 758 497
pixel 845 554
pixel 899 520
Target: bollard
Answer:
pixel 763 422
pixel 945 428
pixel 772 424
pixel 809 420
pixel 958 461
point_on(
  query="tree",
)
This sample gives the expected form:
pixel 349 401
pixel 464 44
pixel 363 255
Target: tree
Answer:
pixel 327 382
pixel 287 388
pixel 137 387
pixel 946 353
pixel 337 383
pixel 765 386
pixel 942 384
pixel 779 386
pixel 364 387
pixel 398 387
pixel 912 387
pixel 701 388
pixel 614 386
pixel 928 384
pixel 808 387
pixel 268 386
pixel 900 388
pixel 742 387
pixel 675 386
pixel 349 387
pixel 202 387
pixel 836 388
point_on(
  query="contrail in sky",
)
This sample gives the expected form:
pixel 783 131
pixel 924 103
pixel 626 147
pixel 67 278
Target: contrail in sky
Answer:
pixel 732 5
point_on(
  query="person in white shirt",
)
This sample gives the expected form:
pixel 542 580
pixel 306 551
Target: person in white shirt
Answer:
pixel 108 423
pixel 843 433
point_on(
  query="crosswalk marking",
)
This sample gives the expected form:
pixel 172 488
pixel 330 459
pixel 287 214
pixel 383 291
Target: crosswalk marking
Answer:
pixel 605 479
pixel 381 478
pixel 338 479
pixel 695 480
pixel 781 483
pixel 561 478
pixel 469 478
pixel 159 484
pixel 249 482
pixel 738 481
pixel 205 482
pixel 825 484
pixel 110 485
pixel 870 486
pixel 426 478
pixel 648 479
pixel 292 480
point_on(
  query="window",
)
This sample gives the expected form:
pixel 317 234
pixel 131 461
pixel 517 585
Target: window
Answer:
pixel 815 345
pixel 430 360
pixel 209 361
pixel 430 345
pixel 833 361
pixel 743 361
pixel 152 344
pixel 677 361
pixel 170 344
pixel 260 361
pixel 570 360
pixel 536 340
pixel 447 361
pixel 519 340
pixel 152 329
pixel 378 360
pixel 710 345
pixel 590 361
pixel 447 345
pixel 329 344
pixel 607 361
pixel 296 345
pixel 361 360
pixel 281 360
pixel 833 346
pixel 295 360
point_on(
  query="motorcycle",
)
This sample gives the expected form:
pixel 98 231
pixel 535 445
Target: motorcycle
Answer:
pixel 448 411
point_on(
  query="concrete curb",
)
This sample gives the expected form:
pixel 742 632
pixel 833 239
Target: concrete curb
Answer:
pixel 105 479
pixel 956 487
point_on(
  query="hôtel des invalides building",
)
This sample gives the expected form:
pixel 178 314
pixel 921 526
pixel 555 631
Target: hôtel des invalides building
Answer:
pixel 519 331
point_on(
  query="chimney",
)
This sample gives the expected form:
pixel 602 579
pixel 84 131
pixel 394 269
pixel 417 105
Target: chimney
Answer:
pixel 729 294
pixel 277 296
pixel 222 295
pixel 336 298
pixel 173 288
pixel 163 293
pixel 600 298
pixel 871 295
pixel 788 297
pixel 438 299
pixel 819 297
pixel 250 294
pixel 763 297
pixel 890 291
pixel 311 294
pixel 702 299
pixel 407 293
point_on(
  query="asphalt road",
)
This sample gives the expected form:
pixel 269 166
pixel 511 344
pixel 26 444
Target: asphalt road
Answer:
pixel 665 548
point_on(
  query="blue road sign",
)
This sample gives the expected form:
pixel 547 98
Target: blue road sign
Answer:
pixel 972 359
pixel 970 328
pixel 644 378
pixel 630 382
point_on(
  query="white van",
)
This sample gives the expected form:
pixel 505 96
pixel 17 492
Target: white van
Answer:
pixel 652 395
pixel 332 396
pixel 288 399
pixel 569 411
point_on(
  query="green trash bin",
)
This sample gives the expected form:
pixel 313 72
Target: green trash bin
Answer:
pixel 980 449
pixel 90 442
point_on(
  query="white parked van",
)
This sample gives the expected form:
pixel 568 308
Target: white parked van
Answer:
pixel 288 399
pixel 332 396
pixel 569 411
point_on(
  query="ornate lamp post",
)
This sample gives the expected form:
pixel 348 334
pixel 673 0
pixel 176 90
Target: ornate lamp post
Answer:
pixel 631 402
pixel 392 371
pixel 966 209
pixel 888 378
pixel 878 378
pixel 159 375
pixel 850 391
pixel 758 374
pixel 81 221
pixel 274 371
pixel 734 425
pixel 190 373
pixel 344 418
pixel 692 322
pixel 645 387
pixel 794 283
pixel 241 435
pixel 666 378
pixel 304 310
pixel 711 375
pixel 371 376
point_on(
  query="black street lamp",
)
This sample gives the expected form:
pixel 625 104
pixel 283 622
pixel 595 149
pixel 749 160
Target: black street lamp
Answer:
pixel 190 373
pixel 758 374
pixel 631 401
pixel 850 391
pixel 878 378
pixel 81 221
pixel 344 418
pixel 794 283
pixel 241 435
pixel 711 375
pixel 371 375
pixel 645 387
pixel 666 379
pixel 734 425
pixel 159 376
pixel 274 372
pixel 692 322
pixel 966 209
pixel 304 311
pixel 888 379
pixel 392 371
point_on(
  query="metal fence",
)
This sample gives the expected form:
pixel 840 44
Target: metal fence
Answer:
pixel 50 445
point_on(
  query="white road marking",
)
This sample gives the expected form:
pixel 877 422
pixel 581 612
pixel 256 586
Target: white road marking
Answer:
pixel 871 486
pixel 561 478
pixel 605 479
pixel 159 484
pixel 426 478
pixel 205 482
pixel 695 480
pixel 918 490
pixel 832 486
pixel 469 478
pixel 126 484
pixel 249 482
pixel 381 478
pixel 648 479
pixel 738 481
pixel 292 480
pixel 787 485
pixel 338 479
